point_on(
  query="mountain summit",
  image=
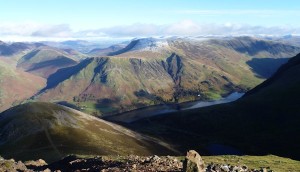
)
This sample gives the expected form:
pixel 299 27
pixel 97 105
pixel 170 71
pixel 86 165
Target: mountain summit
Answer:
pixel 50 131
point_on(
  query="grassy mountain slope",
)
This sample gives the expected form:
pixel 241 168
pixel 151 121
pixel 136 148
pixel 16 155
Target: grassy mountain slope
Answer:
pixel 16 85
pixel 106 51
pixel 45 61
pixel 50 131
pixel 150 71
pixel 265 121
pixel 257 47
pixel 15 48
pixel 15 51
pixel 109 83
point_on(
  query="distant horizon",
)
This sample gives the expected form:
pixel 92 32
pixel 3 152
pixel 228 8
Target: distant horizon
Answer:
pixel 112 40
pixel 29 21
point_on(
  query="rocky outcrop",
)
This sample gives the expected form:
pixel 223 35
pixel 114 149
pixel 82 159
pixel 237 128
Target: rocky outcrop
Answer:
pixel 193 162
pixel 122 163
pixel 12 166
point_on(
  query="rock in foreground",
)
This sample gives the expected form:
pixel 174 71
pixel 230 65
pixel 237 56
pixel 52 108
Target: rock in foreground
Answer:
pixel 193 162
pixel 116 163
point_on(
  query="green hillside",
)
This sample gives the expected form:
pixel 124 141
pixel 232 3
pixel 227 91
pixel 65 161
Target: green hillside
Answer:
pixel 149 72
pixel 16 85
pixel 265 121
pixel 45 61
pixel 49 131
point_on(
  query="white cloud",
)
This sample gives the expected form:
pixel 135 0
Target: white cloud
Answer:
pixel 62 30
pixel 240 12
pixel 33 31
pixel 185 27
pixel 39 32
pixel 133 30
pixel 190 28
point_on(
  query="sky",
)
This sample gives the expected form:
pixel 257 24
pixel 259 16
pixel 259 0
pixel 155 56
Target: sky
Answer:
pixel 29 20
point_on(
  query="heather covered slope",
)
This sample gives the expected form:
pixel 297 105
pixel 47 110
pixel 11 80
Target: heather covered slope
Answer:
pixel 16 85
pixel 44 61
pixel 49 131
pixel 152 71
pixel 265 121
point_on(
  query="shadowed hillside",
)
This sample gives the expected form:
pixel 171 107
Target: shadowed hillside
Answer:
pixel 264 121
pixel 106 51
pixel 8 50
pixel 49 131
pixel 45 61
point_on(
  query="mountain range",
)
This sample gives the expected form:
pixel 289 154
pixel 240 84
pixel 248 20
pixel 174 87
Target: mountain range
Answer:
pixel 45 85
pixel 264 121
pixel 148 71
pixel 154 71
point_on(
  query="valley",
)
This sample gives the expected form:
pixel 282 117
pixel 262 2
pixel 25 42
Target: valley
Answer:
pixel 172 85
pixel 264 121
pixel 150 111
pixel 161 96
pixel 153 71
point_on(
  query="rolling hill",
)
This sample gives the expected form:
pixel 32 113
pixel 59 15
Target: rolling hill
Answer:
pixel 16 50
pixel 106 51
pixel 50 131
pixel 153 71
pixel 16 85
pixel 264 121
pixel 84 46
pixel 44 61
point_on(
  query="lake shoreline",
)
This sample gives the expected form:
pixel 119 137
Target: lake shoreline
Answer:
pixel 149 111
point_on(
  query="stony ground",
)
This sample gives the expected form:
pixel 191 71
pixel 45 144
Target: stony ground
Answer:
pixel 117 163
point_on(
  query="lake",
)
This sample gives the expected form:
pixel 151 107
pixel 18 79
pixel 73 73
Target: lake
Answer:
pixel 150 111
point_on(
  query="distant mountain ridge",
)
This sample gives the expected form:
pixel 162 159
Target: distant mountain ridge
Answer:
pixel 45 60
pixel 152 71
pixel 14 51
pixel 25 68
pixel 106 51
pixel 255 47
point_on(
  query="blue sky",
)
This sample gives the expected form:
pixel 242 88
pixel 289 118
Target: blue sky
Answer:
pixel 121 18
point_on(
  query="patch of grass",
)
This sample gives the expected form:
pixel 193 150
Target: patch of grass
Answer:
pixel 212 95
pixel 276 163
pixel 96 108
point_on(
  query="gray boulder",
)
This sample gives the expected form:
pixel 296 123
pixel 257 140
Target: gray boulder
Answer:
pixel 193 162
